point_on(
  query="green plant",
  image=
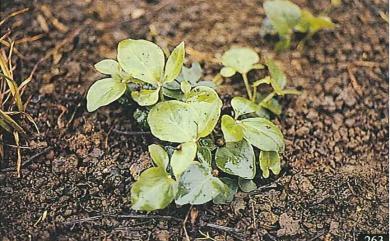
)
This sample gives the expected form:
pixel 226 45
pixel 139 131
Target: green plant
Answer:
pixel 140 62
pixel 243 60
pixel 187 120
pixel 285 17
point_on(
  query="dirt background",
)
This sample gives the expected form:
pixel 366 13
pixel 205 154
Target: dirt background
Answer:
pixel 80 167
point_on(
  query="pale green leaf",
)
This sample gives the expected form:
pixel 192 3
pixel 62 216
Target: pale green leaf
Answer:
pixel 241 60
pixel 155 189
pixel 312 24
pixel 273 106
pixel 228 195
pixel 142 59
pixel 269 160
pixel 108 66
pixel 145 97
pixel 104 92
pixel 183 157
pixel 159 156
pixel 174 94
pixel 246 185
pixel 242 106
pixel 204 155
pixel 231 130
pixel 173 121
pixel 283 14
pixel 227 72
pixel 174 63
pixel 263 134
pixel 237 158
pixel 192 74
pixel 185 87
pixel 206 106
pixel 278 78
pixel 198 186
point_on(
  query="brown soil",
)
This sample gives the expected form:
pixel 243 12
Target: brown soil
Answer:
pixel 334 183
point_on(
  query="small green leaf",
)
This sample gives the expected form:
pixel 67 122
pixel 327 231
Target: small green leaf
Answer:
pixel 174 63
pixel 273 106
pixel 142 59
pixel 104 92
pixel 108 66
pixel 153 190
pixel 269 160
pixel 174 94
pixel 237 158
pixel 159 156
pixel 232 132
pixel 228 195
pixel 246 185
pixel 241 60
pixel 173 121
pixel 204 155
pixel 146 97
pixel 206 106
pixel 185 87
pixel 284 15
pixel 242 106
pixel 312 24
pixel 192 74
pixel 227 72
pixel 183 157
pixel 278 78
pixel 198 186
pixel 263 134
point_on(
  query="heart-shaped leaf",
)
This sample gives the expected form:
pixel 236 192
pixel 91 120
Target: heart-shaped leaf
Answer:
pixel 237 158
pixel 228 195
pixel 269 160
pixel 206 105
pixel 108 66
pixel 145 97
pixel 142 59
pixel 155 189
pixel 104 92
pixel 240 60
pixel 242 106
pixel 173 121
pixel 183 157
pixel 263 134
pixel 159 156
pixel 232 132
pixel 198 186
pixel 284 15
pixel 174 63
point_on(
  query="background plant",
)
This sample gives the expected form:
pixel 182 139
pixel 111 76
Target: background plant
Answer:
pixel 285 17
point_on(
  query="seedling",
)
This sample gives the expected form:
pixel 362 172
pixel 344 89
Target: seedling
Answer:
pixel 285 17
pixel 243 60
pixel 187 120
pixel 141 62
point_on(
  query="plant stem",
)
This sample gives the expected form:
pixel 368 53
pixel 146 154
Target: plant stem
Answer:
pixel 254 93
pixel 161 94
pixel 268 97
pixel 247 86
